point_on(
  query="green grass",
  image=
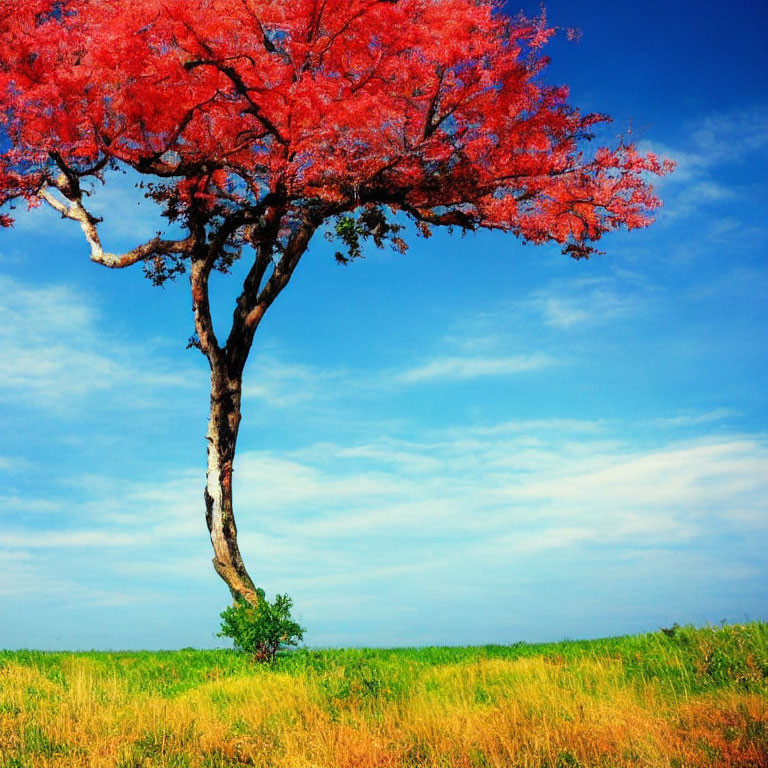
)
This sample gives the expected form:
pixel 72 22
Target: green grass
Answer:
pixel 685 697
pixel 688 660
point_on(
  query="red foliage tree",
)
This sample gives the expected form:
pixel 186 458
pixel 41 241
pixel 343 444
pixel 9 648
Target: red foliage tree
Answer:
pixel 261 121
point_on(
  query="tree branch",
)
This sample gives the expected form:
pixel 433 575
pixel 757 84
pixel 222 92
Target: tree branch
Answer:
pixel 76 211
pixel 254 299
pixel 429 124
pixel 240 336
pixel 450 218
pixel 241 88
pixel 199 274
pixel 282 274
pixel 269 46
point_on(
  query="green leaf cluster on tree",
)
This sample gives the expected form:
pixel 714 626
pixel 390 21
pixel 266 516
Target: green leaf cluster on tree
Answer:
pixel 370 223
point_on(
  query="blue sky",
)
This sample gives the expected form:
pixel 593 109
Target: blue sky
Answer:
pixel 476 442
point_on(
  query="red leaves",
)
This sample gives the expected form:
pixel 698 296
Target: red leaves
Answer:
pixel 421 106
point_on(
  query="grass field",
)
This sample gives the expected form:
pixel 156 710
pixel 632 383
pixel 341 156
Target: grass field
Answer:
pixel 695 697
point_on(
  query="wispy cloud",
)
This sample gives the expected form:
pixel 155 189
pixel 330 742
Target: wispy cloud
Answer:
pixel 696 419
pixel 478 347
pixel 552 475
pixel 589 301
pixel 58 357
pixel 495 500
pixel 713 142
pixel 464 368
pixel 27 576
pixel 90 539
pixel 731 136
pixel 363 518
pixel 281 384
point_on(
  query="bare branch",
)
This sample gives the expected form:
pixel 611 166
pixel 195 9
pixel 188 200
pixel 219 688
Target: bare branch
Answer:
pixel 88 223
pixel 241 88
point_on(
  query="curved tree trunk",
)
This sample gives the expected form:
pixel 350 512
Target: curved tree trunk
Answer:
pixel 227 365
pixel 223 424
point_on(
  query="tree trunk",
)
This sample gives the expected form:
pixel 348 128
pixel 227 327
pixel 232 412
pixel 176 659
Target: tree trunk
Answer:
pixel 222 431
pixel 227 366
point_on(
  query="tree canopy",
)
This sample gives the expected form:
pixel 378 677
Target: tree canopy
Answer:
pixel 435 108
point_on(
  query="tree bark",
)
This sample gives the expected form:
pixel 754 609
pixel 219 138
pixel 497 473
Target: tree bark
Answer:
pixel 223 424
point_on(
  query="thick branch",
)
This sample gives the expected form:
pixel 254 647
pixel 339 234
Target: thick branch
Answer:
pixel 240 338
pixel 76 211
pixel 282 274
pixel 451 218
pixel 244 217
pixel 199 274
pixel 254 300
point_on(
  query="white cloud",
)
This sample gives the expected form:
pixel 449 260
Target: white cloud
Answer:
pixel 26 575
pixel 696 419
pixel 89 539
pixel 535 426
pixel 28 506
pixel 469 501
pixel 284 385
pixel 696 194
pixel 365 517
pixel 488 483
pixel 464 368
pixel 732 136
pixel 562 313
pixel 14 464
pixel 712 142
pixel 58 357
pixel 539 492
pixel 276 483
pixel 589 301
pixel 675 484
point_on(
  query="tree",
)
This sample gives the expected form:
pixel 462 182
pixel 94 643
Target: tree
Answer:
pixel 261 630
pixel 259 122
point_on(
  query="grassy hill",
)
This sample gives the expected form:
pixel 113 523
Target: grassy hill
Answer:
pixel 680 698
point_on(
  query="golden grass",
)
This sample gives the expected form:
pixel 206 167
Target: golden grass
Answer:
pixel 527 713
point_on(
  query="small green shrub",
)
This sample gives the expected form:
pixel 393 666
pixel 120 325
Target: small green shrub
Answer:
pixel 261 630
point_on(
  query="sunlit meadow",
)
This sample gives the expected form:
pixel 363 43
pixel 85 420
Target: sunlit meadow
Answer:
pixel 680 698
